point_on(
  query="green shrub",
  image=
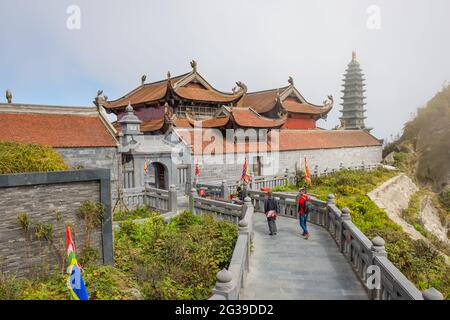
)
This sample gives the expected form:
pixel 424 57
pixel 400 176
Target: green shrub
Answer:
pixel 16 157
pixel 178 260
pixel 444 198
pixel 141 212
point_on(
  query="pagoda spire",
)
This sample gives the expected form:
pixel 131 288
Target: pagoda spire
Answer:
pixel 353 97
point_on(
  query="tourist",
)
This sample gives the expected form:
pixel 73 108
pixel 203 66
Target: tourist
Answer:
pixel 271 210
pixel 303 211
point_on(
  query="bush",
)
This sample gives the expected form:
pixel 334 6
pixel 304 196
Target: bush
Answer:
pixel 444 198
pixel 178 260
pixel 141 212
pixel 16 157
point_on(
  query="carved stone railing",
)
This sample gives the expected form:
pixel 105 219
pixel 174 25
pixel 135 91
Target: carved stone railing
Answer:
pixel 368 258
pixel 158 199
pixel 224 189
pixel 222 209
pixel 230 282
pixel 131 197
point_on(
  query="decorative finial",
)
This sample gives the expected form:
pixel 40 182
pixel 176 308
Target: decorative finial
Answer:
pixel 194 65
pixel 143 78
pixel 353 55
pixel 168 75
pixel 329 101
pixel 9 96
pixel 99 93
pixel 291 81
pixel 129 108
pixel 242 86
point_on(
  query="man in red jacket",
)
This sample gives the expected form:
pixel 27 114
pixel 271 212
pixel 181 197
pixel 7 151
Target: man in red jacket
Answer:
pixel 303 216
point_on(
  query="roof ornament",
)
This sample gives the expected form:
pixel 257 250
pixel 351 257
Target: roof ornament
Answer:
pixel 129 108
pixel 329 101
pixel 242 87
pixel 168 75
pixel 9 96
pixel 194 65
pixel 143 78
pixel 291 81
pixel 100 99
pixel 353 56
pixel 278 97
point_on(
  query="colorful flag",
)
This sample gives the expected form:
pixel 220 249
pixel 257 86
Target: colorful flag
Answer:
pixel 75 282
pixel 146 167
pixel 245 174
pixel 197 170
pixel 307 174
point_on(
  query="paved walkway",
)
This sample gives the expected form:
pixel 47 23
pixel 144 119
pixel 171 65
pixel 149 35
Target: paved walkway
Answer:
pixel 288 267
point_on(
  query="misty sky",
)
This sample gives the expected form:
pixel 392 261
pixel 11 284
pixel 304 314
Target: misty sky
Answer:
pixel 261 43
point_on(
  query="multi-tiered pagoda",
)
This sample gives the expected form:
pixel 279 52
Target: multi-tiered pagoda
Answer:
pixel 353 100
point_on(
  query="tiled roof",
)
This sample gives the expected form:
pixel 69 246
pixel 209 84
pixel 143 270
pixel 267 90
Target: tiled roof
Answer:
pixel 260 101
pixel 152 125
pixel 199 94
pixel 288 140
pixel 211 122
pixel 155 91
pixel 325 139
pixel 293 106
pixel 56 130
pixel 247 117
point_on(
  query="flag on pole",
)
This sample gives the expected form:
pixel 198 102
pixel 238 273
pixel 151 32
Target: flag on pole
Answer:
pixel 197 170
pixel 75 282
pixel 307 174
pixel 146 167
pixel 245 174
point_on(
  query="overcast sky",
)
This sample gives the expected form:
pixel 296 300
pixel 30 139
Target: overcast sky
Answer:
pixel 405 54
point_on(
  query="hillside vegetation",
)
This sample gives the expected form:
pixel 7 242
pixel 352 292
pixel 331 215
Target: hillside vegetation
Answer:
pixel 423 151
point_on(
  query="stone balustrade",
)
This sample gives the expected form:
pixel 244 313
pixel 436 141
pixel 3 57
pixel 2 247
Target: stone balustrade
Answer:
pixel 230 281
pixel 158 199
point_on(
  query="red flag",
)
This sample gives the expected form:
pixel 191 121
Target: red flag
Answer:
pixel 146 167
pixel 245 175
pixel 307 174
pixel 197 170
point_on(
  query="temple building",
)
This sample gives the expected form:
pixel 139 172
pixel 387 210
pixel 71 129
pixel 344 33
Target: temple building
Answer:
pixel 165 127
pixel 353 99
pixel 166 124
pixel 189 98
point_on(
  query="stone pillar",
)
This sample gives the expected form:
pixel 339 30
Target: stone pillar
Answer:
pixel 224 284
pixel 225 194
pixel 173 199
pixel 330 202
pixel 243 226
pixel 345 236
pixel 432 294
pixel 192 196
pixel 330 199
pixel 377 250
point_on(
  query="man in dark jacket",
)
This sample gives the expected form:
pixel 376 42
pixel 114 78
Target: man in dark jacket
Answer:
pixel 271 210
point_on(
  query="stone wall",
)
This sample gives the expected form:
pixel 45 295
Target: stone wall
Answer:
pixel 91 158
pixel 50 198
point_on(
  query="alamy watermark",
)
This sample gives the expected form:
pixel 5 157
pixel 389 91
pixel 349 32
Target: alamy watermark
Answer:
pixel 374 17
pixel 73 21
